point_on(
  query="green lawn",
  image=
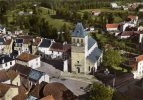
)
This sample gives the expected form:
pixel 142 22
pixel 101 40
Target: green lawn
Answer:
pixel 57 23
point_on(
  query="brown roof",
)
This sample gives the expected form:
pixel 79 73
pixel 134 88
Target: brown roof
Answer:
pixel 27 41
pixel 3 89
pixel 139 58
pixel 60 47
pixel 23 70
pixel 132 17
pixel 26 57
pixel 58 91
pixel 112 25
pixel 22 94
pixel 20 97
pixel 8 42
pixel 7 75
pixel 49 97
pixel 129 33
pixel 37 90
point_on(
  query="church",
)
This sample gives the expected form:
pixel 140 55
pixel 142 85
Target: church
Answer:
pixel 85 54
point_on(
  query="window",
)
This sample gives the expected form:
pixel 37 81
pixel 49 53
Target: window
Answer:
pixel 82 41
pixel 77 61
pixel 89 68
pixel 77 40
pixel 10 63
pixel 73 40
pixel 6 64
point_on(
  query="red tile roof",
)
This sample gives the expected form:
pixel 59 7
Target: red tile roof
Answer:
pixel 112 25
pixel 26 57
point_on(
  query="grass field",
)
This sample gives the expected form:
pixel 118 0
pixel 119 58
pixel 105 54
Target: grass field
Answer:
pixel 48 15
pixel 45 13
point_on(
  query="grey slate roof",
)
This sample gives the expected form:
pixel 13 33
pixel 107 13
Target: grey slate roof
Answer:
pixel 91 42
pixel 35 75
pixel 79 31
pixel 45 43
pixel 95 54
pixel 6 58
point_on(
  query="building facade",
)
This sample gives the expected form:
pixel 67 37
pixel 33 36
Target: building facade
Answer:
pixel 85 54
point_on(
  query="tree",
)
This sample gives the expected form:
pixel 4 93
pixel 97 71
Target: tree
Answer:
pixel 100 92
pixel 112 58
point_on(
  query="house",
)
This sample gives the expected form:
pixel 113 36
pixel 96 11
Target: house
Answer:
pixel 6 61
pixel 134 19
pixel 30 76
pixel 18 43
pixel 137 63
pixel 8 46
pixel 128 34
pixel 112 27
pixel 95 13
pixel 115 6
pixel 59 50
pixel 29 60
pixel 2 30
pixel 10 77
pixel 85 48
pixel 54 91
pixel 125 25
pixel 35 44
pixel 125 7
pixel 45 46
pixel 8 91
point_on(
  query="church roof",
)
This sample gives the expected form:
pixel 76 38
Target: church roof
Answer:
pixel 91 42
pixel 95 54
pixel 79 31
